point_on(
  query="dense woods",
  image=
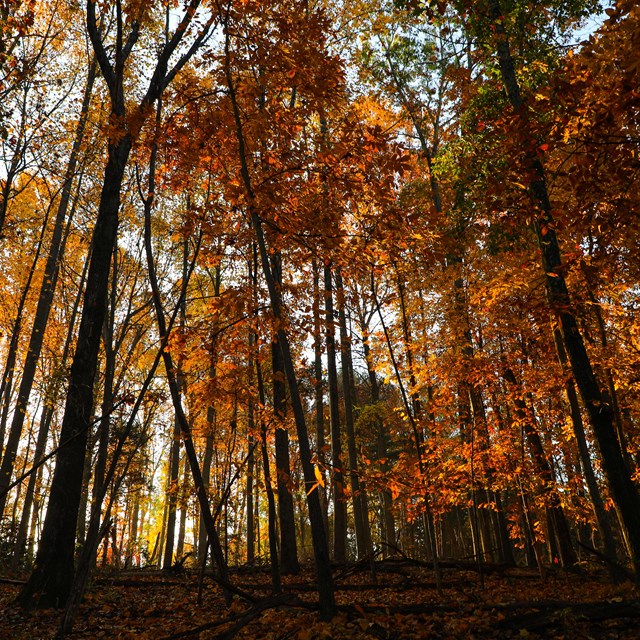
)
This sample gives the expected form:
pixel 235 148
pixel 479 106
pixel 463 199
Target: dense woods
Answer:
pixel 301 284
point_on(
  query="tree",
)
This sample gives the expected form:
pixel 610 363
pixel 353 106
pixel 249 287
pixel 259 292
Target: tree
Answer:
pixel 600 413
pixel 50 582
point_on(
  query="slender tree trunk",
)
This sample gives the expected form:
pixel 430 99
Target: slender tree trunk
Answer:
pixel 172 495
pixel 41 441
pixel 427 519
pixel 319 392
pixel 251 422
pixel 320 546
pixel 610 395
pixel 81 525
pixel 134 532
pixel 359 495
pixel 548 485
pixel 339 502
pixel 174 450
pixel 250 536
pixel 6 386
pixel 18 159
pixel 174 388
pixel 206 478
pixel 43 434
pixel 271 503
pixel 288 551
pixel 183 503
pixel 211 421
pixel 388 521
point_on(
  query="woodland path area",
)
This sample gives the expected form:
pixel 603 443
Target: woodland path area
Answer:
pixel 400 602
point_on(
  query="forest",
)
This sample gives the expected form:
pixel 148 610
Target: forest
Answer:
pixel 319 319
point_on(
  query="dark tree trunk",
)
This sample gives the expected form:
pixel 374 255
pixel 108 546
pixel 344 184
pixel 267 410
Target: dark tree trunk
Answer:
pixel 211 421
pixel 183 503
pixel 339 502
pixel 604 526
pixel 271 503
pixel 51 580
pixel 251 442
pixel 359 496
pixel 175 385
pixel 251 554
pixel 6 386
pixel 288 551
pixel 388 526
pixel 43 433
pixel 172 495
pixel 319 391
pixel 427 515
pixel 320 546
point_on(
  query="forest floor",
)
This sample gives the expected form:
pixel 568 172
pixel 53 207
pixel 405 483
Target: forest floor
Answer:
pixel 399 601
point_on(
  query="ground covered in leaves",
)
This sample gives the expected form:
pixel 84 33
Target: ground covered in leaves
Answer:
pixel 397 601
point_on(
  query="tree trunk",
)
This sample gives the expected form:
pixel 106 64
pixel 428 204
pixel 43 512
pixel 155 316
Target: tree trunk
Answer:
pixel 271 503
pixel 339 502
pixel 183 503
pixel 174 451
pixel 604 527
pixel 319 392
pixel 427 515
pixel 174 387
pixel 388 527
pixel 6 386
pixel 359 496
pixel 250 535
pixel 51 580
pixel 288 551
pixel 543 469
pixel 172 495
pixel 211 421
pixel 320 546
pixel 134 532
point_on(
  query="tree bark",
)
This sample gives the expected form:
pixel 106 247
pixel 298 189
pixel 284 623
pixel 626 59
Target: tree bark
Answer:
pixel 288 550
pixel 51 580
pixel 174 387
pixel 319 392
pixel 608 541
pixel 543 468
pixel 250 535
pixel 211 421
pixel 358 493
pixel 339 502
pixel 271 503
